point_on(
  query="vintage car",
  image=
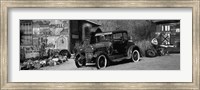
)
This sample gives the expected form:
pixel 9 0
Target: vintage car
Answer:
pixel 106 47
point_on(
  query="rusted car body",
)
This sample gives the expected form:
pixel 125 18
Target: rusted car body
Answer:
pixel 104 48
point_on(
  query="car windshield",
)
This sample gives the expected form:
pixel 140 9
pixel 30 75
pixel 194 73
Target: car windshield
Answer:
pixel 117 36
pixel 108 37
pixel 101 38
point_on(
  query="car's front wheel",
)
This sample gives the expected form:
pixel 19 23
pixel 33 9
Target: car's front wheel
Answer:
pixel 135 55
pixel 101 61
pixel 79 62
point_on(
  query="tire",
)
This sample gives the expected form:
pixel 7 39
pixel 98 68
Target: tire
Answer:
pixel 79 62
pixel 101 61
pixel 135 57
pixel 129 53
pixel 150 53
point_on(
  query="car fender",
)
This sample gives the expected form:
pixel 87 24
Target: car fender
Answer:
pixel 130 49
pixel 100 52
pixel 79 54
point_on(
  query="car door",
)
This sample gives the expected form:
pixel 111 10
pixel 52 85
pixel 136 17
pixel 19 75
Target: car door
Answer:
pixel 124 42
pixel 118 43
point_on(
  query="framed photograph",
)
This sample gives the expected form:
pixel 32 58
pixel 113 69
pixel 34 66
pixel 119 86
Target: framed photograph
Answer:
pixel 77 44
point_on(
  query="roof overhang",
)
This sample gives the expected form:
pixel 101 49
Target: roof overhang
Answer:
pixel 165 21
pixel 92 22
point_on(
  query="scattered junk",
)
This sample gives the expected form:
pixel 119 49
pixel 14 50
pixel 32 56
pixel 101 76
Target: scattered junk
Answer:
pixel 43 63
pixel 157 49
pixel 65 52
pixel 56 59
pixel 52 62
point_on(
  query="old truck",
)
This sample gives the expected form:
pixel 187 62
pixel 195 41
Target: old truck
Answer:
pixel 106 47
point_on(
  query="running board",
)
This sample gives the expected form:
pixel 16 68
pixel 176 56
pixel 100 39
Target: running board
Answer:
pixel 118 59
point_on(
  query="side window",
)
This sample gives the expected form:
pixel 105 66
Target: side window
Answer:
pixel 97 38
pixel 100 38
pixel 117 36
pixel 107 37
pixel 125 36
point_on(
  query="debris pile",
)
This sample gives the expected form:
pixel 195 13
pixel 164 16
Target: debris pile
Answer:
pixel 37 64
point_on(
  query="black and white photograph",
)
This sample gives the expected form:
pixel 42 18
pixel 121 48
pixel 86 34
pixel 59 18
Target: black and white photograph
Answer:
pixel 56 44
pixel 59 44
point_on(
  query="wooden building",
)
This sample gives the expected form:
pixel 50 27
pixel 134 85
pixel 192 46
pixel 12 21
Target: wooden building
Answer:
pixel 54 34
pixel 169 31
pixel 26 40
pixel 26 29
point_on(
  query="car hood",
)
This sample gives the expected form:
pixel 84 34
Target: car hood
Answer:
pixel 90 48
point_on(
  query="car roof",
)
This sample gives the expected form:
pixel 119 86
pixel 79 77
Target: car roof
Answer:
pixel 110 32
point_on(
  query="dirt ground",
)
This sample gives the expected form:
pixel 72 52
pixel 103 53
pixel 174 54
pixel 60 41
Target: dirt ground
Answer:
pixel 168 62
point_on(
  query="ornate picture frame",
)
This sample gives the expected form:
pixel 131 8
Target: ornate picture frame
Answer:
pixel 6 4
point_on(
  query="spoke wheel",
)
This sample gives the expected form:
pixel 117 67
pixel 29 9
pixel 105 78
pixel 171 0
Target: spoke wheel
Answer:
pixel 101 61
pixel 135 56
pixel 80 62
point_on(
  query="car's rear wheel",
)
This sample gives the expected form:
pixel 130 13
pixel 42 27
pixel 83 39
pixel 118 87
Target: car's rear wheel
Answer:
pixel 101 61
pixel 80 62
pixel 135 55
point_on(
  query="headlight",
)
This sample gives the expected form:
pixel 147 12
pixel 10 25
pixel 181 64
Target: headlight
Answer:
pixel 89 49
pixel 92 47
